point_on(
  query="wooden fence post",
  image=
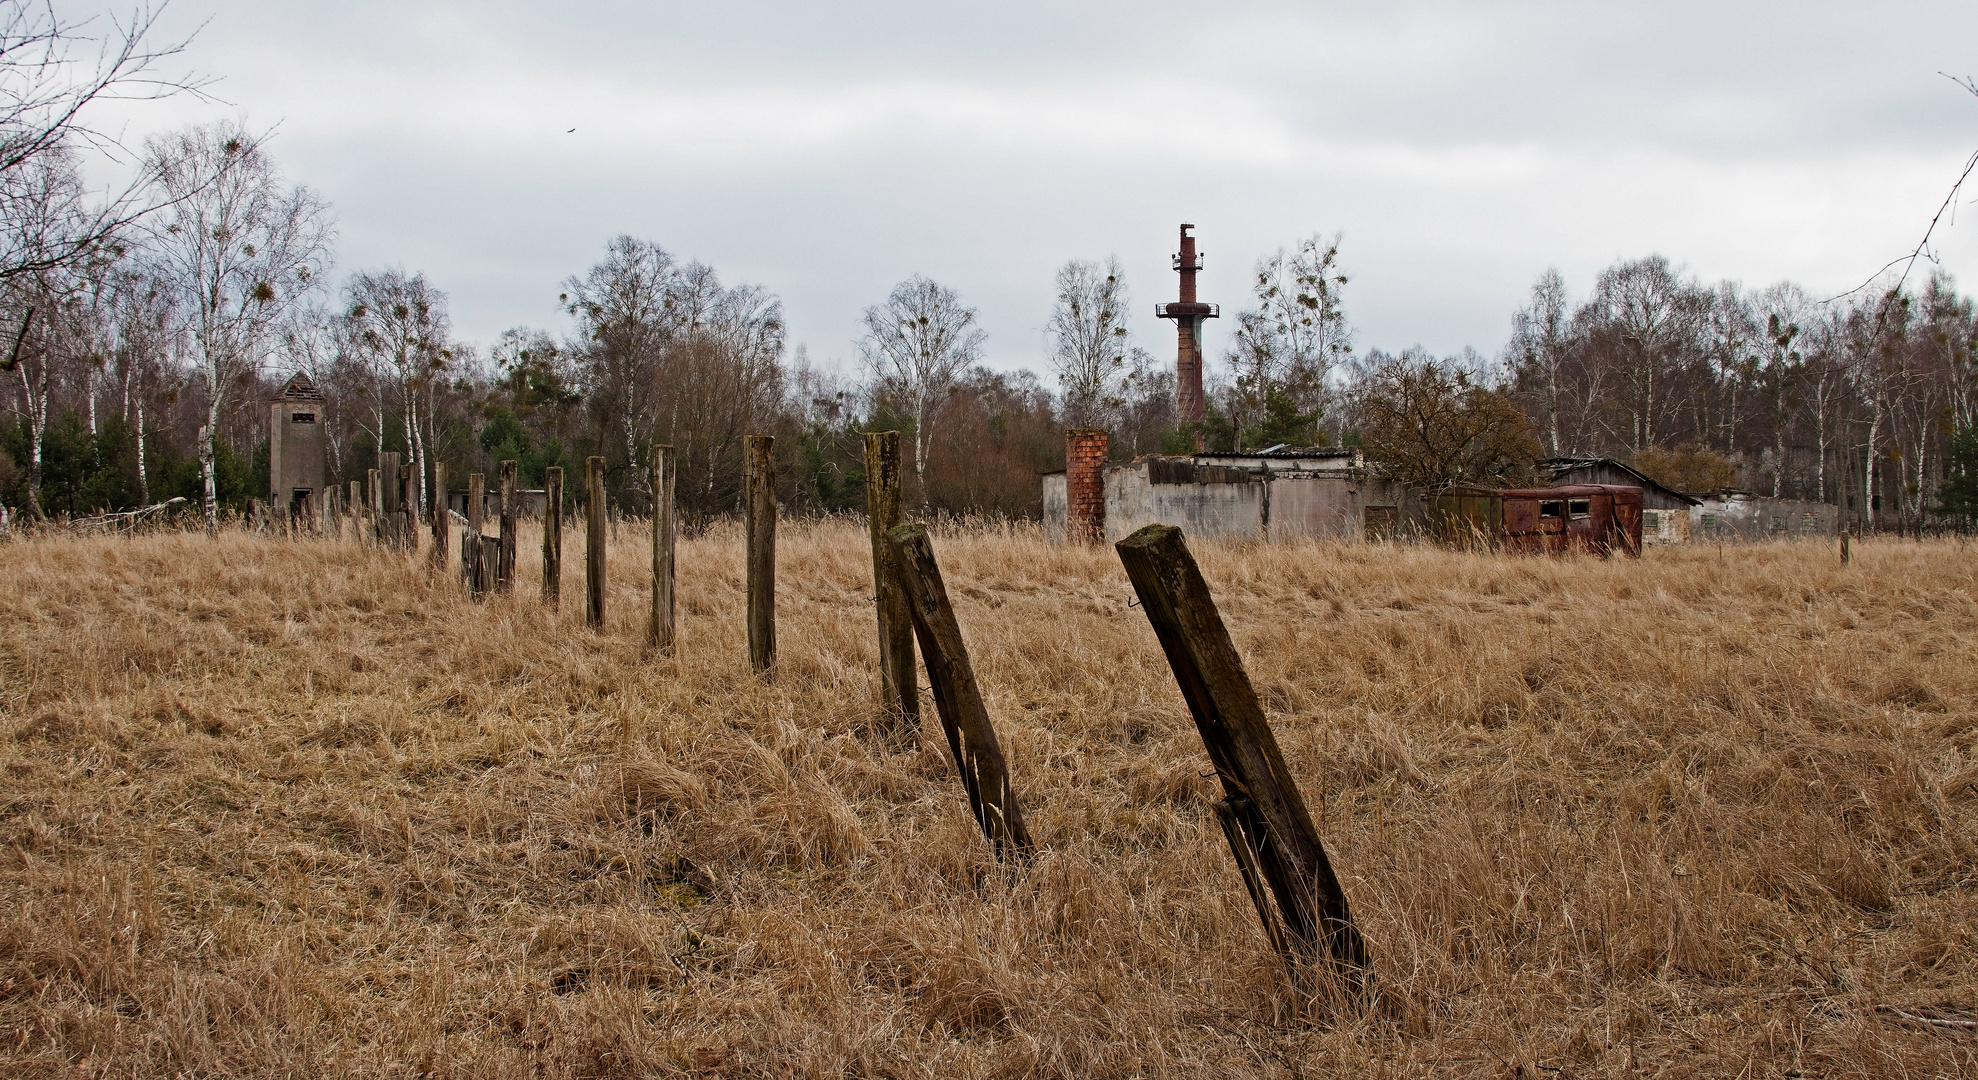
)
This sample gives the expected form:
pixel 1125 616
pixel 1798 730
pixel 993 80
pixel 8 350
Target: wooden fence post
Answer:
pixel 662 548
pixel 408 506
pixel 388 504
pixel 1846 555
pixel 505 571
pixel 957 697
pixel 470 540
pixel 1264 817
pixel 594 534
pixel 441 533
pixel 899 694
pixel 553 536
pixel 355 511
pixel 759 513
pixel 374 508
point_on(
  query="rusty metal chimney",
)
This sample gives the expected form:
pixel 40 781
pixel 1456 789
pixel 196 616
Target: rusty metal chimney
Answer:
pixel 1188 314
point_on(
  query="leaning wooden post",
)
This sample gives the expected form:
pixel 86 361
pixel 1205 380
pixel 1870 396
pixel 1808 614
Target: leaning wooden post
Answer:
pixel 899 697
pixel 510 530
pixel 759 524
pixel 1269 830
pixel 553 536
pixel 441 534
pixel 594 532
pixel 662 548
pixel 470 540
pixel 957 697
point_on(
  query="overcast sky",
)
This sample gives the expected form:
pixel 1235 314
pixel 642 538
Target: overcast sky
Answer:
pixel 827 151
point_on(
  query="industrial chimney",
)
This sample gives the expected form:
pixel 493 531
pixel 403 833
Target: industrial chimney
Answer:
pixel 1188 314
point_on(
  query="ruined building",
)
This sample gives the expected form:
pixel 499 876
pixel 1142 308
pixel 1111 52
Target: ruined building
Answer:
pixel 296 450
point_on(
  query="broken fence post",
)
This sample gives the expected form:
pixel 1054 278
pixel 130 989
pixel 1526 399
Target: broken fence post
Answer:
pixel 373 507
pixel 957 697
pixel 408 506
pixel 759 514
pixel 1264 817
pixel 594 527
pixel 899 694
pixel 553 536
pixel 355 511
pixel 388 500
pixel 505 568
pixel 1846 555
pixel 662 548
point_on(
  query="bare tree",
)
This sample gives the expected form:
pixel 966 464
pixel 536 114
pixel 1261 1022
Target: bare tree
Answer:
pixel 629 307
pixel 399 322
pixel 239 248
pixel 51 70
pixel 1297 334
pixel 1786 310
pixel 1540 339
pixel 916 346
pixel 1090 341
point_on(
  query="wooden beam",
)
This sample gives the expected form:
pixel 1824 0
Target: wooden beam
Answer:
pixel 1273 835
pixel 442 535
pixel 957 698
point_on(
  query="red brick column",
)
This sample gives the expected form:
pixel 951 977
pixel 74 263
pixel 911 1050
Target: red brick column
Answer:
pixel 1085 485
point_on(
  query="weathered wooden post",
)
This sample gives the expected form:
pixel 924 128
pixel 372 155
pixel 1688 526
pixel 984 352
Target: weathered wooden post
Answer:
pixel 1264 817
pixel 759 523
pixel 393 507
pixel 510 530
pixel 899 696
pixel 374 512
pixel 662 548
pixel 356 510
pixel 594 537
pixel 408 506
pixel 957 697
pixel 553 536
pixel 1846 555
pixel 442 535
pixel 470 539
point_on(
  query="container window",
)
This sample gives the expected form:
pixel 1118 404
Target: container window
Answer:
pixel 1651 520
pixel 1551 509
pixel 1580 508
pixel 302 418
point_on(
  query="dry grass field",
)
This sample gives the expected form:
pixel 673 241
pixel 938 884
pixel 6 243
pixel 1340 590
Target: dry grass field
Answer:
pixel 291 809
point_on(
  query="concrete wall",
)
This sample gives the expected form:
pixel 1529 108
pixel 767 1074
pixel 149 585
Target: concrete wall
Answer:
pixel 1665 526
pixel 1229 511
pixel 1054 507
pixel 1750 518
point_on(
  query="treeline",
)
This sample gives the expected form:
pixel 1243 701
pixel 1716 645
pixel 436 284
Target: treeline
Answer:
pixel 147 329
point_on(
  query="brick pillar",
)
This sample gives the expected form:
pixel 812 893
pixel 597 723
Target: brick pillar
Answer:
pixel 1085 485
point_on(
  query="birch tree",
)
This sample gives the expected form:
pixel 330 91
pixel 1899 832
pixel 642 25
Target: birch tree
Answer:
pixel 916 346
pixel 239 247
pixel 1090 341
pixel 399 323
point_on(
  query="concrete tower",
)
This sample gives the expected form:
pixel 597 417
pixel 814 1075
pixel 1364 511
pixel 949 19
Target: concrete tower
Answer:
pixel 1188 314
pixel 296 450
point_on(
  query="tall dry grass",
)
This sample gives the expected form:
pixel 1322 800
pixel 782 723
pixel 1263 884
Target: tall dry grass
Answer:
pixel 292 809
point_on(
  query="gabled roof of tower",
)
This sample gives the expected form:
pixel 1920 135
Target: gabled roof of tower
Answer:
pixel 301 388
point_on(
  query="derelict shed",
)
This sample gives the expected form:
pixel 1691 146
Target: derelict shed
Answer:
pixel 296 449
pixel 1599 519
pixel 1665 513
